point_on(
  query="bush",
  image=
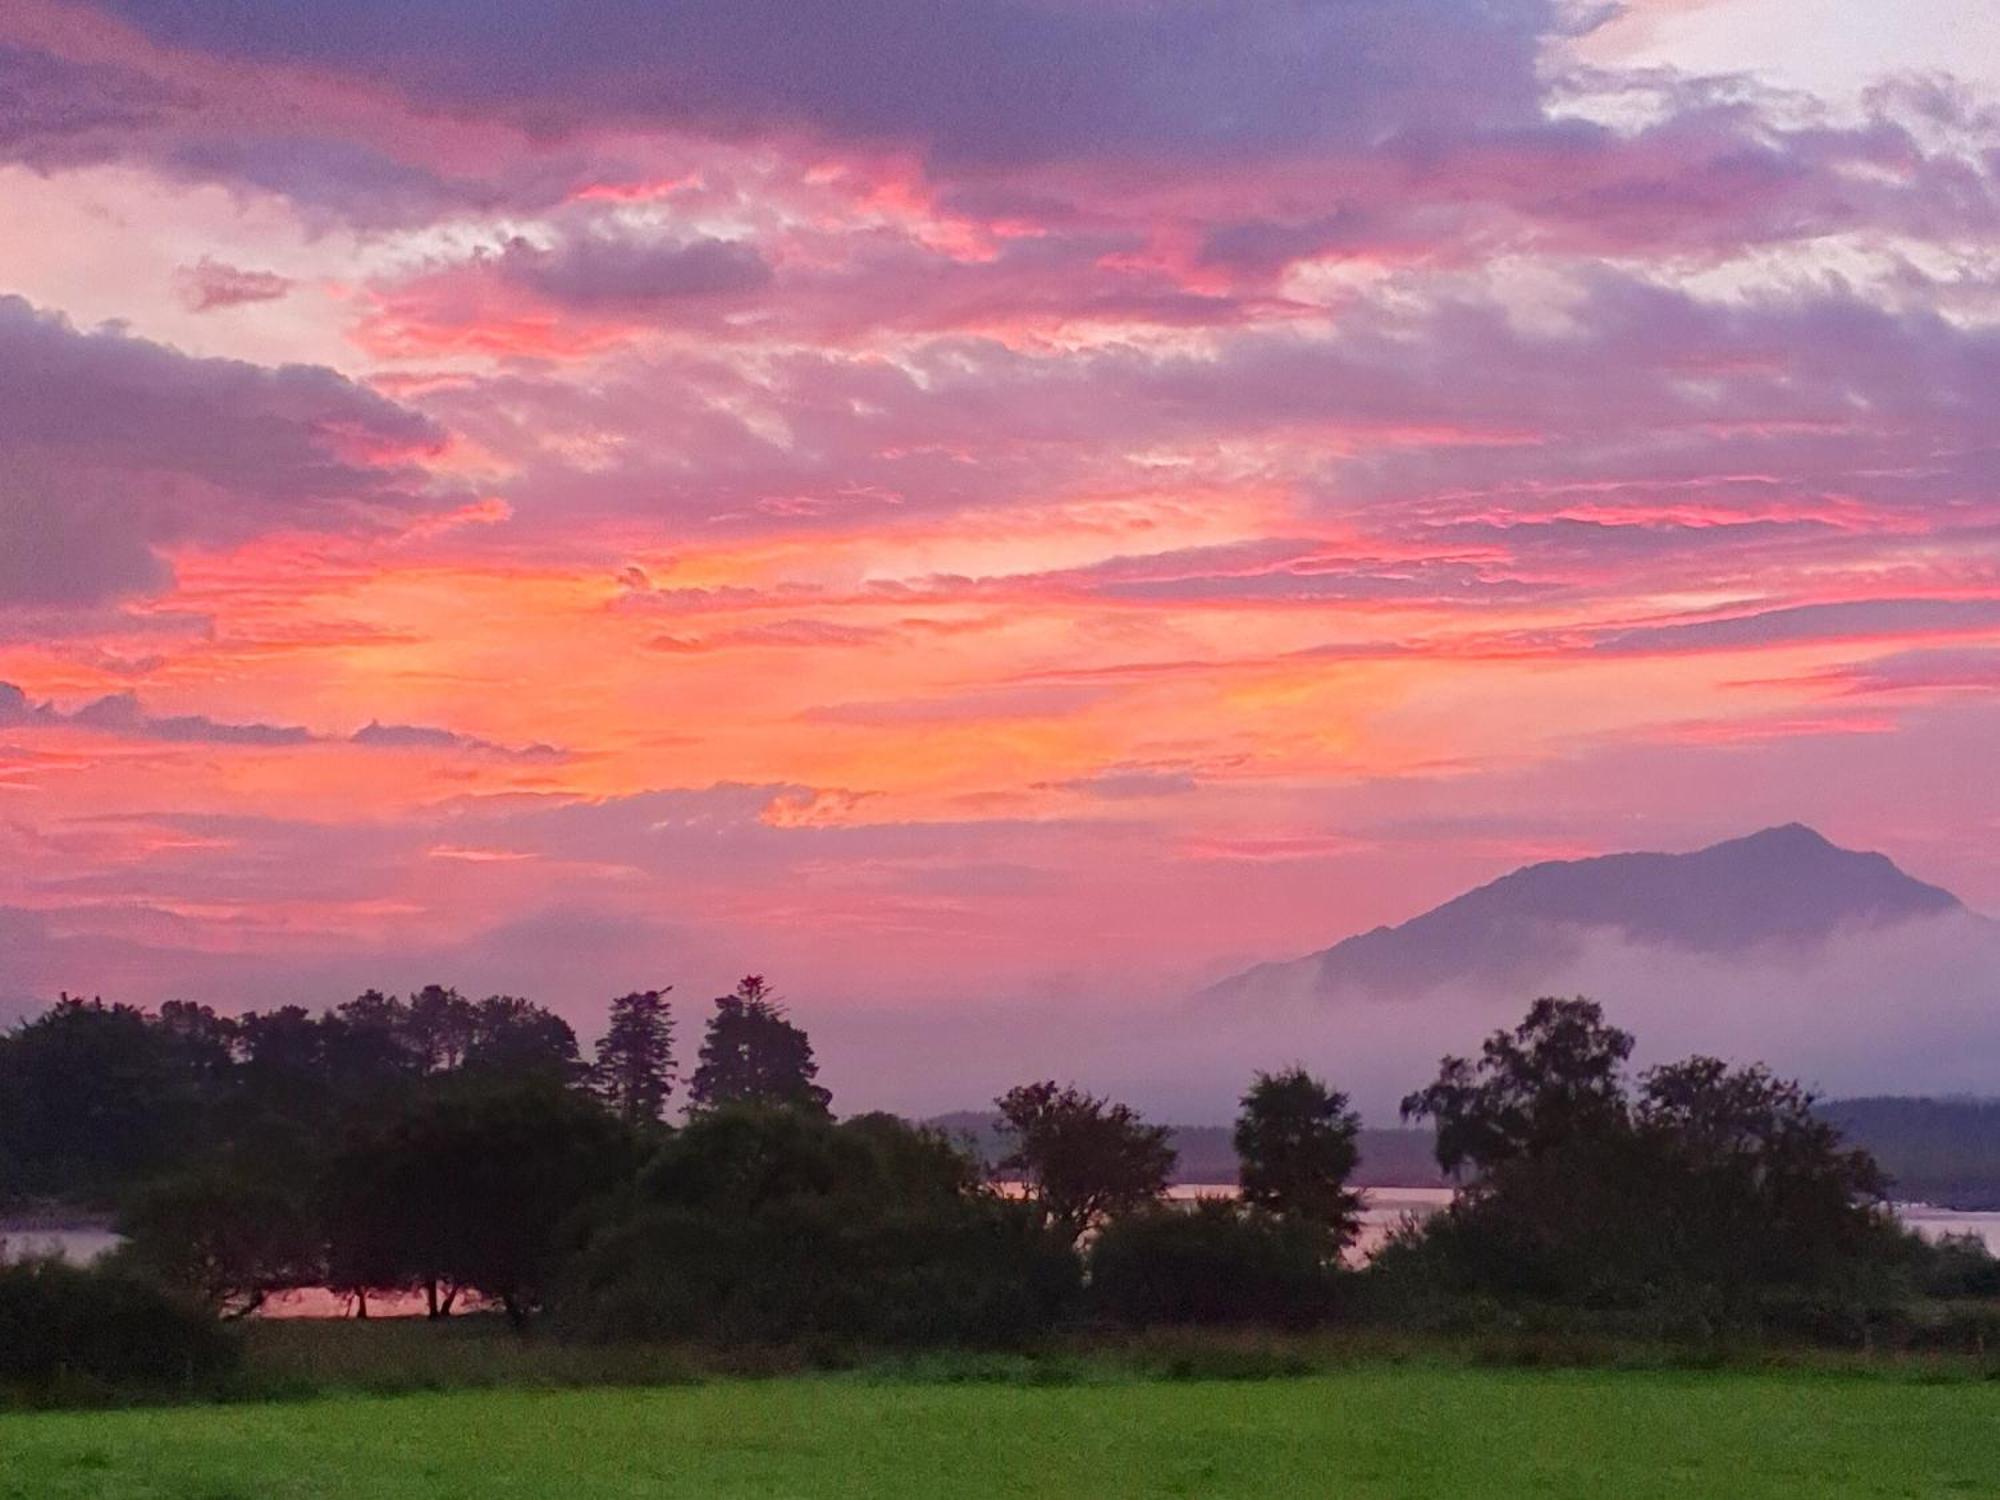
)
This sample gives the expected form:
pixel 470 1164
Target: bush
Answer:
pixel 771 1226
pixel 1214 1263
pixel 64 1327
pixel 226 1238
pixel 1959 1265
pixel 984 1275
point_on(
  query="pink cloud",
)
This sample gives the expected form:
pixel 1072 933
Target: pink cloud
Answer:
pixel 209 284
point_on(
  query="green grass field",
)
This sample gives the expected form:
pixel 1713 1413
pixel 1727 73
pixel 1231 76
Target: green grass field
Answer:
pixel 1367 1432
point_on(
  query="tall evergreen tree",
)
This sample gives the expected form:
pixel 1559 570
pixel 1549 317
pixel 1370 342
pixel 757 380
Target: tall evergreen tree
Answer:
pixel 635 1057
pixel 753 1055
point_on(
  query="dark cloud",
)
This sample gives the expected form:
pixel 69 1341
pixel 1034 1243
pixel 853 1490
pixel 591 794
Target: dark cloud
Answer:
pixel 429 737
pixel 967 81
pixel 17 708
pixel 123 714
pixel 117 448
pixel 347 180
pixel 1925 670
pixel 620 273
pixel 1266 131
pixel 120 713
pixel 1804 624
pixel 57 112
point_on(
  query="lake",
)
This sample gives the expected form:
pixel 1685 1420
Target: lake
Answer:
pixel 1386 1208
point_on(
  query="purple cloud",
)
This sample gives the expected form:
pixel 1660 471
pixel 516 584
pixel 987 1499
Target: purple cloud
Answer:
pixel 1927 670
pixel 1805 624
pixel 120 713
pixel 429 737
pixel 620 273
pixel 119 448
pixel 58 112
pixel 123 714
pixel 968 81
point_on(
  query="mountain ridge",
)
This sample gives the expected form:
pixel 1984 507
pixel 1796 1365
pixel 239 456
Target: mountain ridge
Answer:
pixel 1784 884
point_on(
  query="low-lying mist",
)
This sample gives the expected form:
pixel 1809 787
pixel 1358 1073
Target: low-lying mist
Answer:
pixel 1909 1009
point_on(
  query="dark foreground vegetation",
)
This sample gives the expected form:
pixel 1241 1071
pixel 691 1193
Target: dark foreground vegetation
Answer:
pixel 466 1156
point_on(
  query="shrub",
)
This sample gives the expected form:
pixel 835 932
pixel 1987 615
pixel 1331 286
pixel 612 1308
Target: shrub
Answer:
pixel 1959 1265
pixel 983 1274
pixel 64 1327
pixel 776 1225
pixel 227 1238
pixel 1214 1263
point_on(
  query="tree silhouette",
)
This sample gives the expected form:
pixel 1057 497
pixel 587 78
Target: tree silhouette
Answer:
pixel 1558 1074
pixel 467 1186
pixel 1296 1140
pixel 634 1073
pixel 203 1042
pixel 1082 1158
pixel 368 1046
pixel 517 1037
pixel 92 1096
pixel 1708 1190
pixel 753 1055
pixel 226 1236
pixel 439 1025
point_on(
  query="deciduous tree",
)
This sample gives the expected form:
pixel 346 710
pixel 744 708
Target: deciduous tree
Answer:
pixel 1081 1158
pixel 1560 1072
pixel 467 1186
pixel 1296 1140
pixel 228 1237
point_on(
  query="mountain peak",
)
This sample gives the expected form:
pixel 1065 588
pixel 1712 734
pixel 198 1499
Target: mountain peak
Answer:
pixel 1788 835
pixel 1785 885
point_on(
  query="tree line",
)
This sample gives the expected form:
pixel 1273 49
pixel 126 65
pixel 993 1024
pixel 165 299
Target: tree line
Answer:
pixel 459 1149
pixel 97 1096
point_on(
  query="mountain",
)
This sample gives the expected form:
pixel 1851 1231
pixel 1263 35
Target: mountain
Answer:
pixel 1781 886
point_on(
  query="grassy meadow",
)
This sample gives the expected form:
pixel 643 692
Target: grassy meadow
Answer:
pixel 1372 1432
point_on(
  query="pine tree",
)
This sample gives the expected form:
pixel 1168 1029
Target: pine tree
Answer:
pixel 753 1055
pixel 635 1057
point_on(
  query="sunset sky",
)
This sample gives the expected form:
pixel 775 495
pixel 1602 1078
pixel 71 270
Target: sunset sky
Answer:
pixel 968 502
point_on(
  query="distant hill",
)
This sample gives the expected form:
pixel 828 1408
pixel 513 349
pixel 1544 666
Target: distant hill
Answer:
pixel 1389 1158
pixel 1940 1151
pixel 1783 885
pixel 1944 1152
